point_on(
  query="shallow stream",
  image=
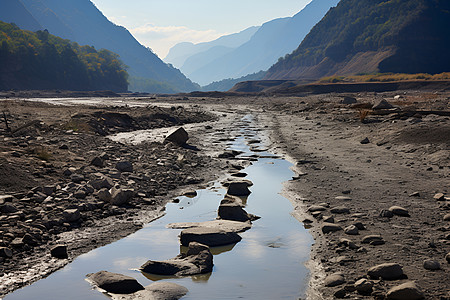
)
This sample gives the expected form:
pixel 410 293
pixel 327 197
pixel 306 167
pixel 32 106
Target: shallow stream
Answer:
pixel 267 264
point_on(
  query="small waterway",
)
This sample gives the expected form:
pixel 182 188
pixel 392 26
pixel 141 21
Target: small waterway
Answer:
pixel 267 264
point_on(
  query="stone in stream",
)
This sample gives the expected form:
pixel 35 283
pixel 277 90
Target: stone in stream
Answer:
pixel 225 225
pixel 239 188
pixel 330 227
pixel 399 211
pixel 178 137
pixel 334 280
pixel 197 260
pixel 405 291
pixel 156 291
pixel 59 251
pixel 234 212
pixel 388 271
pixel 431 265
pixel 211 237
pixel 124 166
pixel 114 282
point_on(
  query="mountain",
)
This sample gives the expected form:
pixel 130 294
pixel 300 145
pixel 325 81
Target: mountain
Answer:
pixel 179 53
pixel 82 22
pixel 226 84
pixel 40 60
pixel 273 40
pixel 364 36
pixel 13 11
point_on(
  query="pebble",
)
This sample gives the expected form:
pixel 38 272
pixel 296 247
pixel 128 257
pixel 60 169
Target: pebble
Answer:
pixel 343 198
pixel 432 265
pixel 351 230
pixel 364 286
pixel 405 291
pixel 447 217
pixel 365 141
pixel 330 227
pixel 399 211
pixel 340 210
pixel 334 280
pixel 389 271
pixel 439 197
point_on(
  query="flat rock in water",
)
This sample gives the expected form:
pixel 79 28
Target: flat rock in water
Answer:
pixel 399 211
pixel 239 188
pixel 156 291
pixel 197 260
pixel 115 283
pixel 178 137
pixel 334 280
pixel 234 212
pixel 405 291
pixel 225 225
pixel 389 271
pixel 330 227
pixel 211 237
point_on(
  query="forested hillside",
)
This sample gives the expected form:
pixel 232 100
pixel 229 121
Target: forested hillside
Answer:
pixel 361 36
pixel 40 60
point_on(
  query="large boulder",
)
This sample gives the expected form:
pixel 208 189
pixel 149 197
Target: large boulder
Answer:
pixel 115 283
pixel 388 271
pixel 197 260
pixel 405 291
pixel 234 212
pixel 211 237
pixel 239 188
pixel 178 137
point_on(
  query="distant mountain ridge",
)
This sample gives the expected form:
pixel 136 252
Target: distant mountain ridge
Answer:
pixel 274 39
pixel 364 36
pixel 82 22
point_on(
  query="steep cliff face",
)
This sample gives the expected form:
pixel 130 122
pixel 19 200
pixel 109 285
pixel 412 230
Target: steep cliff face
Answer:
pixel 363 36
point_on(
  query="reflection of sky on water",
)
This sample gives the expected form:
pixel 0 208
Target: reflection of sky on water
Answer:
pixel 266 264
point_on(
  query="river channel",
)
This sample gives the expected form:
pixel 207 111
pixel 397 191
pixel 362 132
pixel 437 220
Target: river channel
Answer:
pixel 267 264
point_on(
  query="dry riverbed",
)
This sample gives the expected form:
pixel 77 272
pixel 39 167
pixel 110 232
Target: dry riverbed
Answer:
pixel 354 164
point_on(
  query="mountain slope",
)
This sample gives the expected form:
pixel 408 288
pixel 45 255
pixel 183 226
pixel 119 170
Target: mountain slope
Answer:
pixel 82 22
pixel 13 11
pixel 179 53
pixel 273 40
pixel 360 36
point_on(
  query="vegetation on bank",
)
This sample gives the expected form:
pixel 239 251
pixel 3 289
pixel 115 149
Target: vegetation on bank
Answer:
pixel 39 60
pixel 385 77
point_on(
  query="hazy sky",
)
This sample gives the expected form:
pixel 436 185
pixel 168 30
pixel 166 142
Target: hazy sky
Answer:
pixel 160 24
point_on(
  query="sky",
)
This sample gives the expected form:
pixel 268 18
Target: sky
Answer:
pixel 161 24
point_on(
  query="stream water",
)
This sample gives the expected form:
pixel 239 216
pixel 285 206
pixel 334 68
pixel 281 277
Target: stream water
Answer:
pixel 267 264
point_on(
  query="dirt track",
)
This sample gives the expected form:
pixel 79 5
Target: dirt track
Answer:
pixel 322 137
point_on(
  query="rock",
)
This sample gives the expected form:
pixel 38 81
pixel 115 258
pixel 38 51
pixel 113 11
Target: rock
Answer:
pixel 405 291
pixel 328 219
pixel 365 141
pixel 432 265
pixel 348 100
pixel 71 215
pixel 447 258
pixel 225 225
pixel 124 166
pixel 340 294
pixel 340 210
pixel 343 198
pixel 415 194
pixel 59 251
pixel 103 183
pixel 77 178
pixel 399 211
pixel 115 283
pixel 382 104
pixel 238 188
pixel 330 227
pixel 197 260
pixel 49 190
pixel 29 240
pixel 121 196
pixel 315 208
pixel 104 195
pixel 234 212
pixel 211 237
pixel 447 217
pixel 156 291
pixel 178 137
pixel 334 280
pixel 439 197
pixel 386 213
pixel 5 198
pixel 98 162
pixel 369 239
pixel 5 252
pixel 389 271
pixel 8 209
pixel 192 193
pixel 348 243
pixel 364 286
pixel 351 230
